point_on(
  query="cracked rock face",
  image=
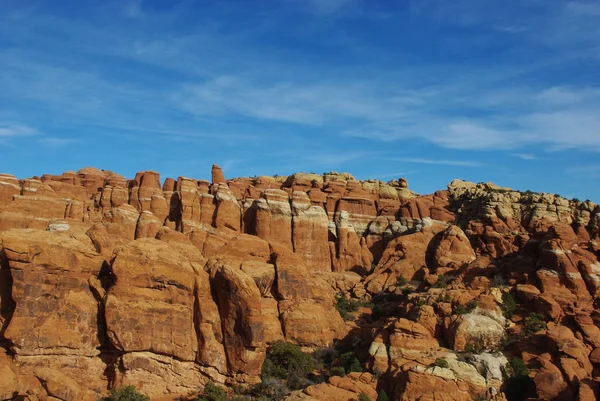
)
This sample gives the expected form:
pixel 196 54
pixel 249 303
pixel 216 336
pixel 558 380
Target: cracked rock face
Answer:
pixel 106 281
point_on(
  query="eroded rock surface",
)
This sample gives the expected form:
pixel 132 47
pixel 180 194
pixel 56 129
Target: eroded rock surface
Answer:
pixel 106 282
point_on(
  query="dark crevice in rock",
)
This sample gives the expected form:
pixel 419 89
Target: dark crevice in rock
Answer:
pixel 110 355
pixel 7 302
pixel 197 317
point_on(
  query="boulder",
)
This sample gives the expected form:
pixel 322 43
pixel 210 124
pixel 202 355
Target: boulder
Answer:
pixel 150 306
pixel 51 292
pixel 238 299
pixel 347 388
pixel 476 331
pixel 9 386
pixel 450 248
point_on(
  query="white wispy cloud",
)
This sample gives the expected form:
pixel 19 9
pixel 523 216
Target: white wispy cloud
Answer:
pixel 397 174
pixel 133 8
pixel 589 169
pixel 329 6
pixel 334 159
pixel 231 163
pixel 586 172
pixel 8 130
pixel 55 142
pixel 461 163
pixel 221 76
pixel 525 156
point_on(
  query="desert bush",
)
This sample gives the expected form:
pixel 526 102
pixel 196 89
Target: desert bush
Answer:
pixel 442 282
pixel 509 306
pixel 534 323
pixel 337 371
pixel 518 367
pixel 212 392
pixel 285 360
pixel 363 397
pixel 474 347
pixel 468 308
pixel 351 362
pixel 460 310
pixel 269 389
pixel 401 281
pixel 382 396
pixel 373 267
pixel 324 357
pixel 376 312
pixel 125 393
pixel 509 340
pixel 346 307
pixel 498 281
pixel 441 363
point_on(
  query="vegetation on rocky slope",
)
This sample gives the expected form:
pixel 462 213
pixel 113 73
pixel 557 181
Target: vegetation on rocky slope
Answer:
pixel 294 287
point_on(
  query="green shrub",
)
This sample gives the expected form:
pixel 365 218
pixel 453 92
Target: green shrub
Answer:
pixel 441 363
pixel 351 362
pixel 212 392
pixel 509 306
pixel 338 371
pixel 498 281
pixel 406 291
pixel 382 396
pixel 401 281
pixel 324 357
pixel 269 389
pixel 464 309
pixel 126 393
pixel 473 347
pixel 442 282
pixel 460 310
pixel 285 360
pixel 271 369
pixel 518 367
pixel 363 397
pixel 534 323
pixel 373 267
pixel 238 389
pixel 376 313
pixel 346 306
pixel 509 340
pixel 442 298
pixel 297 382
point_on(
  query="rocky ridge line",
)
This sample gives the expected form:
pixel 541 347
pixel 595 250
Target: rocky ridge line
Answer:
pixel 169 286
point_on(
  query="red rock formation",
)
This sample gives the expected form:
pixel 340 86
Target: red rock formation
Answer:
pixel 112 275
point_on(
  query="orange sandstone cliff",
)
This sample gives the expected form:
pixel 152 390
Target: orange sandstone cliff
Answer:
pixel 166 286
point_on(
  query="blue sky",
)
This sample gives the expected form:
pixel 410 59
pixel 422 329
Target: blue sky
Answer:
pixel 431 90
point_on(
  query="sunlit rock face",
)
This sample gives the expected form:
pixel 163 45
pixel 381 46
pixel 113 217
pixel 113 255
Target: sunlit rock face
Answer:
pixel 167 285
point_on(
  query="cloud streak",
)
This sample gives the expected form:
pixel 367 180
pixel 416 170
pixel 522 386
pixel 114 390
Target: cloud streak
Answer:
pixel 461 163
pixel 524 156
pixel 8 130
